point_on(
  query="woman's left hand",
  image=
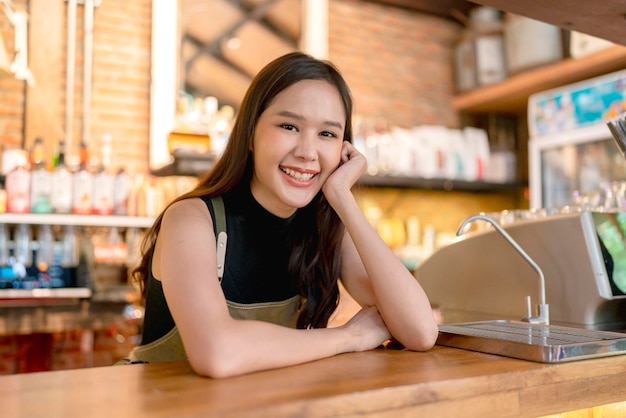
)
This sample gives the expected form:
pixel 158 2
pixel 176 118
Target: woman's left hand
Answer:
pixel 352 166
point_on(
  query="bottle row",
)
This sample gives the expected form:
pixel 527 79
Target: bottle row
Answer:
pixel 18 245
pixel 30 187
pixel 45 256
pixel 28 261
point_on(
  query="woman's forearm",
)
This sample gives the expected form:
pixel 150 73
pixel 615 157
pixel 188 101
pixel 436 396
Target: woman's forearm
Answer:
pixel 244 346
pixel 401 300
pixel 253 346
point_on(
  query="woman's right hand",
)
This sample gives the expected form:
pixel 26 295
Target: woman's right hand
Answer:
pixel 352 166
pixel 367 329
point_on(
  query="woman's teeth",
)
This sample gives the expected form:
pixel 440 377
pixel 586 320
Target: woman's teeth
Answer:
pixel 297 175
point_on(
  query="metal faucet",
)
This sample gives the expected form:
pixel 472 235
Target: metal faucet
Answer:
pixel 543 316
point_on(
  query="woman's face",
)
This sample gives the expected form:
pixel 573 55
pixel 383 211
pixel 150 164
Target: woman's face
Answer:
pixel 297 145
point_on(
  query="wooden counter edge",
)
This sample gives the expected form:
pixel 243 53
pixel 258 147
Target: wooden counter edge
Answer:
pixel 442 382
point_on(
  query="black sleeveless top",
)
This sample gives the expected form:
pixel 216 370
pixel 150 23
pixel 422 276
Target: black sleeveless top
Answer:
pixel 257 254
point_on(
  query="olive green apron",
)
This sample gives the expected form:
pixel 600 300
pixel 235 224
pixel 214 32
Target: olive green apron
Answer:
pixel 170 346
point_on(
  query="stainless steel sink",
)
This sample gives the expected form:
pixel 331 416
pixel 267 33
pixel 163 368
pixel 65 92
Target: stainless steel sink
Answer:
pixel 535 342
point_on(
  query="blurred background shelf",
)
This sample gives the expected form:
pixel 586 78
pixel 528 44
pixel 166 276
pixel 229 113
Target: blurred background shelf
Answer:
pixel 511 95
pixel 77 220
pixel 20 297
pixel 436 184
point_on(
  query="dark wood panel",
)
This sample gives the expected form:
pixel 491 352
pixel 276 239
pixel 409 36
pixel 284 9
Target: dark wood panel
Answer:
pixel 605 19
pixel 448 8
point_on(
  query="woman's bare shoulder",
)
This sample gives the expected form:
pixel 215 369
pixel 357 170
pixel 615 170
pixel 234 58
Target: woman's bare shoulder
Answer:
pixel 185 210
pixel 190 206
pixel 186 226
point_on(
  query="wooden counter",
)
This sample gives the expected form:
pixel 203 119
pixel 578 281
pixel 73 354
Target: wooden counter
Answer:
pixel 444 382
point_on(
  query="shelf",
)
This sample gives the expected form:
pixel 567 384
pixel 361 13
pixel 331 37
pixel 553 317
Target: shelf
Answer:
pixel 436 184
pixel 60 293
pixel 187 163
pixel 511 95
pixel 77 220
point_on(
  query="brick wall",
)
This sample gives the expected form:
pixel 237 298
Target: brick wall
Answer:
pixel 397 62
pixel 120 102
pixel 11 91
pixel 121 80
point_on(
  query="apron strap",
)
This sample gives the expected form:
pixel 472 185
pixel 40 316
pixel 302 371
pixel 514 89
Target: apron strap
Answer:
pixel 220 229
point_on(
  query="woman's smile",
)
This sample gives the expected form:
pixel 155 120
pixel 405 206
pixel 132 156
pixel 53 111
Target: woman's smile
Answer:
pixel 300 176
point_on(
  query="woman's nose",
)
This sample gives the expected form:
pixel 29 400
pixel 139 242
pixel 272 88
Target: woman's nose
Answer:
pixel 306 148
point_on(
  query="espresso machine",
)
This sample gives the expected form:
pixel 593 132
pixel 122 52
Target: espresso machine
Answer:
pixel 550 289
pixel 480 276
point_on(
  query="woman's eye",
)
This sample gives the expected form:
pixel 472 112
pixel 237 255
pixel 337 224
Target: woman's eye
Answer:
pixel 288 127
pixel 328 134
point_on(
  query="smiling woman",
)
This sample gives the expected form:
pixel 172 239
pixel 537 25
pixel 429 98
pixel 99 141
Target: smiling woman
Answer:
pixel 252 257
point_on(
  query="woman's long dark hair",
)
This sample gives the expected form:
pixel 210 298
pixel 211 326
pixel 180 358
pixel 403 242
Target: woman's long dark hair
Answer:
pixel 315 256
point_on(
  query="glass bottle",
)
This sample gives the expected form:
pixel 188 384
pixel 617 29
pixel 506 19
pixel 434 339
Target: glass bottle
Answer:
pixel 69 254
pixel 62 184
pixel 103 181
pixel 17 185
pixel 82 185
pixel 4 245
pixel 55 154
pixel 36 153
pixel 22 239
pixel 121 189
pixel 3 199
pixel 40 181
pixel 488 45
pixel 219 129
pixel 45 247
pixel 133 243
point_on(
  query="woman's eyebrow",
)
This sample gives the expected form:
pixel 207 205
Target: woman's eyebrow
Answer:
pixel 290 114
pixel 293 115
